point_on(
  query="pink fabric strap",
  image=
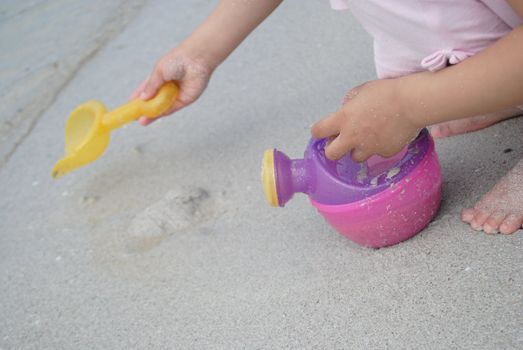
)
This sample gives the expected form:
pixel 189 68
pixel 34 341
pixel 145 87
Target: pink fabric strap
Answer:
pixel 442 58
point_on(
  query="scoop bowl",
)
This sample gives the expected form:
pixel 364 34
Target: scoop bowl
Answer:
pixel 87 131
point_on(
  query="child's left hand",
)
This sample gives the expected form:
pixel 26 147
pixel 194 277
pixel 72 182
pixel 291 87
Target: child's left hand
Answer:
pixel 376 118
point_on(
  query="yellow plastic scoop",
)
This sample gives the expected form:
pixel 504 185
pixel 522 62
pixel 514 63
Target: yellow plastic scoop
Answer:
pixel 89 126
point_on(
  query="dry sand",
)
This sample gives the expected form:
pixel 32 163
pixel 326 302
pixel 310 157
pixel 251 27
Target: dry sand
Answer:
pixel 167 242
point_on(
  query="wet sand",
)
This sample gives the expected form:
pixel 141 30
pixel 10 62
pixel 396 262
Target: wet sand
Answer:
pixel 167 242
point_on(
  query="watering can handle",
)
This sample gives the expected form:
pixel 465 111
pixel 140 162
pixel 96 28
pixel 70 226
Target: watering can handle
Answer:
pixel 137 108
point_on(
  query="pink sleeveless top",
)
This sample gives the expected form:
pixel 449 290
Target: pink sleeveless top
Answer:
pixel 415 35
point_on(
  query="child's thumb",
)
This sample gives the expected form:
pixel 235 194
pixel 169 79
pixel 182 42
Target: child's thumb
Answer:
pixel 152 86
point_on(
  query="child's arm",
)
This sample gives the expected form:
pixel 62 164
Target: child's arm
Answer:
pixel 384 115
pixel 192 62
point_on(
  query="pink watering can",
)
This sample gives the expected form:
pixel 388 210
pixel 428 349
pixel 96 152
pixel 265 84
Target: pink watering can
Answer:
pixel 377 203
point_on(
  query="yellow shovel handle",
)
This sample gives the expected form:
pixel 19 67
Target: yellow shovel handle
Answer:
pixel 137 108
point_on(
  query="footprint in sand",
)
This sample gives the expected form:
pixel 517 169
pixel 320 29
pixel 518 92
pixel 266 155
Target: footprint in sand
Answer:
pixel 175 212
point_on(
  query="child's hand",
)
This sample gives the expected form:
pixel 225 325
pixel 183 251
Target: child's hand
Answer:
pixel 374 119
pixel 192 76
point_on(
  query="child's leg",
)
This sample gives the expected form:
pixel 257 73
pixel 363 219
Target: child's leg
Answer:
pixel 462 126
pixel 501 209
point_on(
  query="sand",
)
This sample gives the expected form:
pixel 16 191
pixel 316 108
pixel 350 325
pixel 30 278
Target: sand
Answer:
pixel 167 241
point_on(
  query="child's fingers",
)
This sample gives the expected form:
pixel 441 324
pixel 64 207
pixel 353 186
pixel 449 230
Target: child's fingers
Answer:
pixel 152 85
pixel 326 127
pixel 175 107
pixel 352 93
pixel 358 155
pixel 144 121
pixel 138 90
pixel 338 148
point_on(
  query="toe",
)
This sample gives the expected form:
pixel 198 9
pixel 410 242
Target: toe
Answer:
pixel 511 224
pixel 468 214
pixel 493 222
pixel 448 129
pixel 479 219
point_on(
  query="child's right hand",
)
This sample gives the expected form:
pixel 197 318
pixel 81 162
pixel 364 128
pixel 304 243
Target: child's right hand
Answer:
pixel 190 74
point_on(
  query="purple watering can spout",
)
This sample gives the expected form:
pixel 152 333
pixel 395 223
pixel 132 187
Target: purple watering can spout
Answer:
pixel 291 176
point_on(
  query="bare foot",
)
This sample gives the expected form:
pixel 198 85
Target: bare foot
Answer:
pixel 501 209
pixel 461 126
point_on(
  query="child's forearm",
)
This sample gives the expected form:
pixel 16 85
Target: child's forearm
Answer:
pixel 226 27
pixel 488 82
